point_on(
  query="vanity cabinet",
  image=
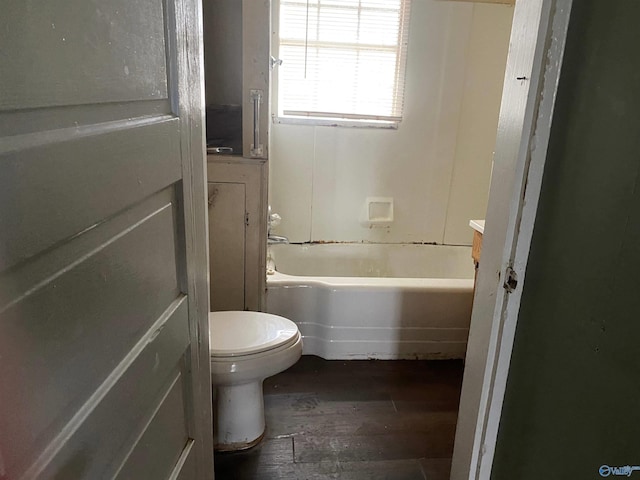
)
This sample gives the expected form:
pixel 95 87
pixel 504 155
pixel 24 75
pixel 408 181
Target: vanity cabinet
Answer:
pixel 237 74
pixel 237 202
pixel 476 248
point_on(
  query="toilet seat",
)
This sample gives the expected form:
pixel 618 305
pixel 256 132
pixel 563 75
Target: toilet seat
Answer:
pixel 243 334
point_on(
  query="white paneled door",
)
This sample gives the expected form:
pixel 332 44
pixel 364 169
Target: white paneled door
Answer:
pixel 104 369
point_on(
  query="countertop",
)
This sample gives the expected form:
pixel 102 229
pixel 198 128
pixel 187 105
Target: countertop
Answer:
pixel 477 225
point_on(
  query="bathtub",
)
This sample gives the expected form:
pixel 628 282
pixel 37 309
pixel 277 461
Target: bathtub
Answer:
pixel 374 301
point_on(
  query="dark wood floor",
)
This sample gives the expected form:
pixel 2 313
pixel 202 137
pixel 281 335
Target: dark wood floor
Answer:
pixel 368 420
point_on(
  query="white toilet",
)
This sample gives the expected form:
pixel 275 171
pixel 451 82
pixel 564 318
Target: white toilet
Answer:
pixel 246 348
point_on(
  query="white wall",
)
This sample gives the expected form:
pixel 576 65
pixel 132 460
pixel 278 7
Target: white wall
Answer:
pixel 437 164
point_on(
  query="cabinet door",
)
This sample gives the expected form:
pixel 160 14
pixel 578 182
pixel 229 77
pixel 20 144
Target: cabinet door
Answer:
pixel 227 224
pixel 256 52
pixel 225 233
pixel 237 56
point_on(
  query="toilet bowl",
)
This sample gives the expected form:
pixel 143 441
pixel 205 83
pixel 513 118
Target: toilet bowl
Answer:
pixel 246 348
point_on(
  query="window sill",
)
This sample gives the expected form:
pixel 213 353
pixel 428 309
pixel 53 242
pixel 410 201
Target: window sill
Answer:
pixel 336 122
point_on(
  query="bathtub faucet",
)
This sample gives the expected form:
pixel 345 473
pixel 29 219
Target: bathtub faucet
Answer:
pixel 273 239
pixel 273 220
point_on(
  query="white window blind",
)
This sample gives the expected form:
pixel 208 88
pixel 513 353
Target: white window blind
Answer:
pixel 343 59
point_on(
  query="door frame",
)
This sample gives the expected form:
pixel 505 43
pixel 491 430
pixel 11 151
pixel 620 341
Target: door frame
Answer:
pixel 532 75
pixel 187 65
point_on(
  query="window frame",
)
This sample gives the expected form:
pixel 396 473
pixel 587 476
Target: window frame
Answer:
pixel 322 120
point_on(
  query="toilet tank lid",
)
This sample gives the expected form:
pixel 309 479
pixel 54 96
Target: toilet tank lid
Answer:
pixel 243 333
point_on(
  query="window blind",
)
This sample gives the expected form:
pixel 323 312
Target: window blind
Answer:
pixel 343 59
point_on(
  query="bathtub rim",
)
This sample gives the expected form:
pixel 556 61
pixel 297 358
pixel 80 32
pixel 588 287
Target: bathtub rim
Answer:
pixel 274 252
pixel 279 279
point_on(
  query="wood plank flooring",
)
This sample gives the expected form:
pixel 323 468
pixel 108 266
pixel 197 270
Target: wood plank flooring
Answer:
pixel 355 420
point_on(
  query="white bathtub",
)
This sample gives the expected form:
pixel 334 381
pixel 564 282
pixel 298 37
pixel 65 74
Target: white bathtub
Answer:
pixel 360 301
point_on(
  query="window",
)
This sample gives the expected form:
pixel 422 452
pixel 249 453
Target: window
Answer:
pixel 343 61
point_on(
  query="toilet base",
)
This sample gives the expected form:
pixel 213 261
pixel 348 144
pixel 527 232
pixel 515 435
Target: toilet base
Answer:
pixel 238 416
pixel 237 447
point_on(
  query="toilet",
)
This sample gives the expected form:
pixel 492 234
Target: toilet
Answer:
pixel 246 347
